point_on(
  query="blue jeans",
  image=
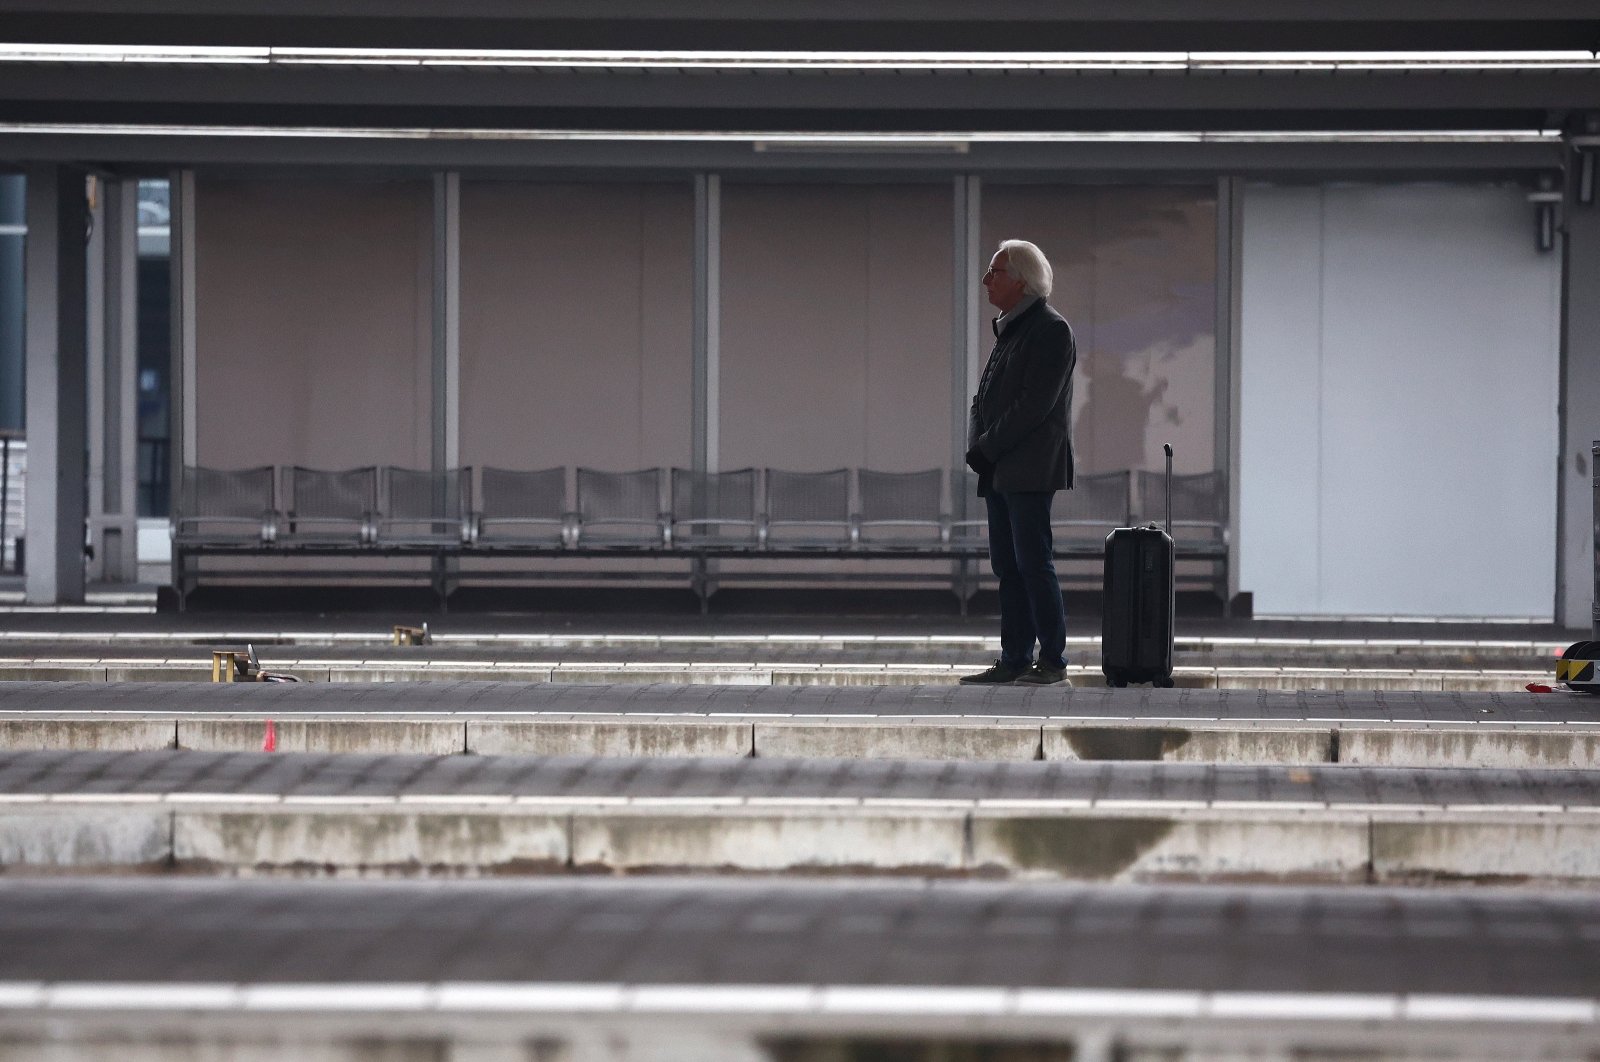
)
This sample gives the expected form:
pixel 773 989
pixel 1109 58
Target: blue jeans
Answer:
pixel 1021 554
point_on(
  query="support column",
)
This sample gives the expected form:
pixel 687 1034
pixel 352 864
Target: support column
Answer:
pixel 183 435
pixel 966 317
pixel 966 356
pixel 56 402
pixel 706 443
pixel 446 321
pixel 113 364
pixel 13 302
pixel 1579 409
pixel 1230 232
pixel 94 372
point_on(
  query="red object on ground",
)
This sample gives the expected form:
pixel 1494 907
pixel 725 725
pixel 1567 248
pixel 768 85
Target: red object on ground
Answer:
pixel 1538 687
pixel 270 743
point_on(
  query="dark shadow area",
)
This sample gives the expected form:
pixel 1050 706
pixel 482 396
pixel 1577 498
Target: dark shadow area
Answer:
pixel 862 1050
pixel 1083 606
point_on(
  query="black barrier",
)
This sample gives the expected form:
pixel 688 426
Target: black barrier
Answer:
pixel 1594 468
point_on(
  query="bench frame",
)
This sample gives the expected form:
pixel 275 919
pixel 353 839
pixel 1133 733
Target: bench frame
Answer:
pixel 963 560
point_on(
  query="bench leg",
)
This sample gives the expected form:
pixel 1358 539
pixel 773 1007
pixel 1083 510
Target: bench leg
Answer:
pixel 701 583
pixel 441 581
pixel 180 579
pixel 960 585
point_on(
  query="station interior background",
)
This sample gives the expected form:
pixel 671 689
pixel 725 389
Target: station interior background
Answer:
pixel 1399 350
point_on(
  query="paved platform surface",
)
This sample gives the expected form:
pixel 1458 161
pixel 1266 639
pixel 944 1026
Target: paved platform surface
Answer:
pixel 1490 942
pixel 170 700
pixel 98 776
pixel 775 650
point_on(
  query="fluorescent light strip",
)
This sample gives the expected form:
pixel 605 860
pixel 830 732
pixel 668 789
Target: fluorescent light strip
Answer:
pixel 909 1001
pixel 812 60
pixel 767 140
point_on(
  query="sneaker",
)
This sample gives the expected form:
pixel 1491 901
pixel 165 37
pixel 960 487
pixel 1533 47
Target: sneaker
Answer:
pixel 1042 675
pixel 1000 674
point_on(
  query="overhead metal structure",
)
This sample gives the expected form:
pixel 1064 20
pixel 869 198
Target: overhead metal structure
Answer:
pixel 926 26
pixel 1148 93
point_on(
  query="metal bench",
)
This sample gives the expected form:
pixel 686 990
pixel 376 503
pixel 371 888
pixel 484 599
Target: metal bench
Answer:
pixel 1082 517
pixel 621 510
pixel 423 508
pixel 1199 522
pixel 522 510
pixel 714 510
pixel 223 507
pixel 713 515
pixel 331 508
pixel 807 510
pixel 221 511
pixel 901 510
pixel 805 517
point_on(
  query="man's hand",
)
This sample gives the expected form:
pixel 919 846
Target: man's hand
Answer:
pixel 979 463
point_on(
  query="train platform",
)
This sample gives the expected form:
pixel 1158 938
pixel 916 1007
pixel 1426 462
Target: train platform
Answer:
pixel 585 969
pixel 770 650
pixel 943 722
pixel 321 815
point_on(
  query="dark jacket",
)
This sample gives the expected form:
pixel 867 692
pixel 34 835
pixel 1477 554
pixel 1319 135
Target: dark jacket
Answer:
pixel 1022 414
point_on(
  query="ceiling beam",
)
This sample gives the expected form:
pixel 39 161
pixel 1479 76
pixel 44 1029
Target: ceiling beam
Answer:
pixel 746 101
pixel 928 25
pixel 631 160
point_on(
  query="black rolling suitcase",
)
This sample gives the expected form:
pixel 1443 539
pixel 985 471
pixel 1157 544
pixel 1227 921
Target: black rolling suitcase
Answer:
pixel 1136 614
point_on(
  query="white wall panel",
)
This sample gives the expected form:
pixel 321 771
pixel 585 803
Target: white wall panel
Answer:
pixel 1400 348
pixel 1280 384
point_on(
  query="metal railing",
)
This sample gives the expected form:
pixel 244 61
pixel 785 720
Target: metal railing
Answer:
pixel 13 473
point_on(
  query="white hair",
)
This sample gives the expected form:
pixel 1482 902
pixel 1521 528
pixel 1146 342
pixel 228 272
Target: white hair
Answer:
pixel 1025 262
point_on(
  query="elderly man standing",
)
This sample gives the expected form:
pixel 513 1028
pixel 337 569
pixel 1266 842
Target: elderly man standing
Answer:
pixel 1019 441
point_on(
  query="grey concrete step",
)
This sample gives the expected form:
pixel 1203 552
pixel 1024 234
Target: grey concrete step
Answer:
pixel 888 643
pixel 277 814
pixel 587 969
pixel 182 776
pixel 1203 660
pixel 883 722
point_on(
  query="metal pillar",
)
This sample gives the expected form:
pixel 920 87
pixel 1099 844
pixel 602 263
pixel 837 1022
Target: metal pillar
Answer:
pixel 183 448
pixel 13 230
pixel 446 321
pixel 56 401
pixel 446 380
pixel 1230 257
pixel 1579 410
pixel 1594 464
pixel 966 356
pixel 707 320
pixel 113 371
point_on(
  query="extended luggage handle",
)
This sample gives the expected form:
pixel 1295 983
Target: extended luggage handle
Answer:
pixel 1168 448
